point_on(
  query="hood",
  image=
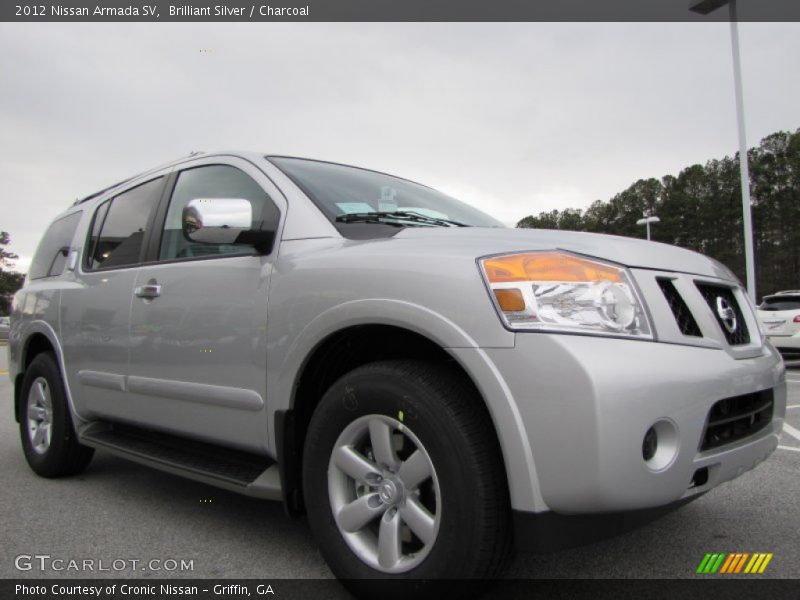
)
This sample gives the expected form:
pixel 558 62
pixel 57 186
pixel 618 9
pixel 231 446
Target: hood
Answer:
pixel 626 251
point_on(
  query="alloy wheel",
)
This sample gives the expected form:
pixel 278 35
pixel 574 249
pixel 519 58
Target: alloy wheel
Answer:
pixel 384 493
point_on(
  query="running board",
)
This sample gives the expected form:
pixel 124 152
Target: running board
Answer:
pixel 234 470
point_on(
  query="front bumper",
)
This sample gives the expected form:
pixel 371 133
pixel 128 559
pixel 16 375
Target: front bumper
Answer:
pixel 585 404
pixel 550 531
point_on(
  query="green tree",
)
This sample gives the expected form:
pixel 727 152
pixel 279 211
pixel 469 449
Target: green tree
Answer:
pixel 10 281
pixel 701 209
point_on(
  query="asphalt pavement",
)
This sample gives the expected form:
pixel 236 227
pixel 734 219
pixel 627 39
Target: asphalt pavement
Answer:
pixel 119 511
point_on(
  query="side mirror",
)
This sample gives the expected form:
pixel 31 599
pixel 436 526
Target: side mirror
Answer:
pixel 223 221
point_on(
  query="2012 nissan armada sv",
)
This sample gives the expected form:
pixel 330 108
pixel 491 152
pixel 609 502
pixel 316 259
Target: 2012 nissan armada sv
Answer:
pixel 430 387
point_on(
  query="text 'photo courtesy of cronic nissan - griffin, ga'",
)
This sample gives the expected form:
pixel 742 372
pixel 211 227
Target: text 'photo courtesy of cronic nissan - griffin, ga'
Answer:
pixel 431 388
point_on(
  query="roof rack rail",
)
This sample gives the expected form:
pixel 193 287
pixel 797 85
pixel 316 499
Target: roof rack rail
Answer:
pixel 124 181
pixel 104 190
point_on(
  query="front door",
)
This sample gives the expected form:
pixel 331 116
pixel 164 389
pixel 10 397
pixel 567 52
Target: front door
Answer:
pixel 199 318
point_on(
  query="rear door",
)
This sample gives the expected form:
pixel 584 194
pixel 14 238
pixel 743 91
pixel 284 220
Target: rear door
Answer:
pixel 96 302
pixel 199 317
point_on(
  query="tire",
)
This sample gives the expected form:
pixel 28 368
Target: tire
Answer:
pixel 45 423
pixel 437 416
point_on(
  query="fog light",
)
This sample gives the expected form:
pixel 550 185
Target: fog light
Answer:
pixel 660 444
pixel 649 444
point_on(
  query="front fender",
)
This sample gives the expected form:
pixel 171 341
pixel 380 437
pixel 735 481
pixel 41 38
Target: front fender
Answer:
pixel 284 367
pixel 18 356
pixel 283 376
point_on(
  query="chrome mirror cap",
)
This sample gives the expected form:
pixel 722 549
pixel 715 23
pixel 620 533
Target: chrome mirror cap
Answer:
pixel 216 220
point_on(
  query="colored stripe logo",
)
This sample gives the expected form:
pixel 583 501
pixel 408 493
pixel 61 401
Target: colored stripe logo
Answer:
pixel 734 562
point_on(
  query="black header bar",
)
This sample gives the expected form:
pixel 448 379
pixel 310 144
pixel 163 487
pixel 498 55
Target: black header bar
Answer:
pixel 330 589
pixel 397 10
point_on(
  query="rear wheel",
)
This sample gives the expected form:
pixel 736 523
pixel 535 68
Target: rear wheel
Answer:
pixel 403 477
pixel 46 430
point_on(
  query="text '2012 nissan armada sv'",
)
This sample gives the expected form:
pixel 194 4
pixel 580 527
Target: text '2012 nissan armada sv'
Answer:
pixel 429 386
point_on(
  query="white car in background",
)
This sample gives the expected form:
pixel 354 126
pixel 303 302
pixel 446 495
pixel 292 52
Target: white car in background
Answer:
pixel 5 326
pixel 779 315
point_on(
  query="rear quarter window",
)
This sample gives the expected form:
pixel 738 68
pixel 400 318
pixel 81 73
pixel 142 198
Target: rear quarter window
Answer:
pixel 776 304
pixel 51 255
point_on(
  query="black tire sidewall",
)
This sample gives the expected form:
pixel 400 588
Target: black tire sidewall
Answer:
pixel 368 391
pixel 51 462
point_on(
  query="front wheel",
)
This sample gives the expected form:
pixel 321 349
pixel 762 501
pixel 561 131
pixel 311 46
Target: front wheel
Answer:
pixel 403 477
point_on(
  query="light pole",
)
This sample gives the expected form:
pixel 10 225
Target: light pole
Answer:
pixel 647 221
pixel 704 7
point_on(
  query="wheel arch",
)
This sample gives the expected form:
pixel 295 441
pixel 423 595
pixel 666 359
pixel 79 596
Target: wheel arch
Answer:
pixel 40 338
pixel 338 353
pixel 422 333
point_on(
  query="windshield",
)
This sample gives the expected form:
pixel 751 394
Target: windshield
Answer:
pixel 363 203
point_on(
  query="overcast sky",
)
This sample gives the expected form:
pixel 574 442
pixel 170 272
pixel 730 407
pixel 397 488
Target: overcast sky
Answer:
pixel 513 118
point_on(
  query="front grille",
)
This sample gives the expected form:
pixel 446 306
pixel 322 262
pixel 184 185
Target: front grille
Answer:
pixel 714 294
pixel 736 418
pixel 683 315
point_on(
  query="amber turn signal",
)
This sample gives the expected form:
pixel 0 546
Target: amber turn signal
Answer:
pixel 547 266
pixel 510 300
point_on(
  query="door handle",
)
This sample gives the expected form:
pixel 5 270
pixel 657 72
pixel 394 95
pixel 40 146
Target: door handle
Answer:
pixel 148 291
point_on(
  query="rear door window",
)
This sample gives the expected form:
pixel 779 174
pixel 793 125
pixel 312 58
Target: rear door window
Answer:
pixel 119 227
pixel 51 255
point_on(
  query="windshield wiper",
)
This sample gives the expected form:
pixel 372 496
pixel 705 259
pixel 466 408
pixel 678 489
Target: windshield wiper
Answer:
pixel 397 217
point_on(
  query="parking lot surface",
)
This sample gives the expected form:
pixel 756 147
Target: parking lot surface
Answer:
pixel 117 510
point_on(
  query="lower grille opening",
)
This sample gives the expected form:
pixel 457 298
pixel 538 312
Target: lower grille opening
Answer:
pixel 700 478
pixel 790 353
pixel 735 418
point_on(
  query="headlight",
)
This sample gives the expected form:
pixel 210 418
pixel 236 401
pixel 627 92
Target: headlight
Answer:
pixel 557 291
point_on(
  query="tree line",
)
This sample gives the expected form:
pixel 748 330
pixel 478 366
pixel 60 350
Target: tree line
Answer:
pixel 701 209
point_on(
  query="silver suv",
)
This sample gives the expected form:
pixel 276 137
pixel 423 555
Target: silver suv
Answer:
pixel 429 386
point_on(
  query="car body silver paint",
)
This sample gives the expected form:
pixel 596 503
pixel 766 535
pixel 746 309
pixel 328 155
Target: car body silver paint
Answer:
pixel 95 336
pixel 205 393
pixel 587 408
pixel 569 410
pixel 27 328
pixel 99 379
pixel 630 252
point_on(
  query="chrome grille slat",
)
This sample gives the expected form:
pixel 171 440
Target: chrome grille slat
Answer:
pixel 683 314
pixel 711 293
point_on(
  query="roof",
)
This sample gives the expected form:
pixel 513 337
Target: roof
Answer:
pixel 127 179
